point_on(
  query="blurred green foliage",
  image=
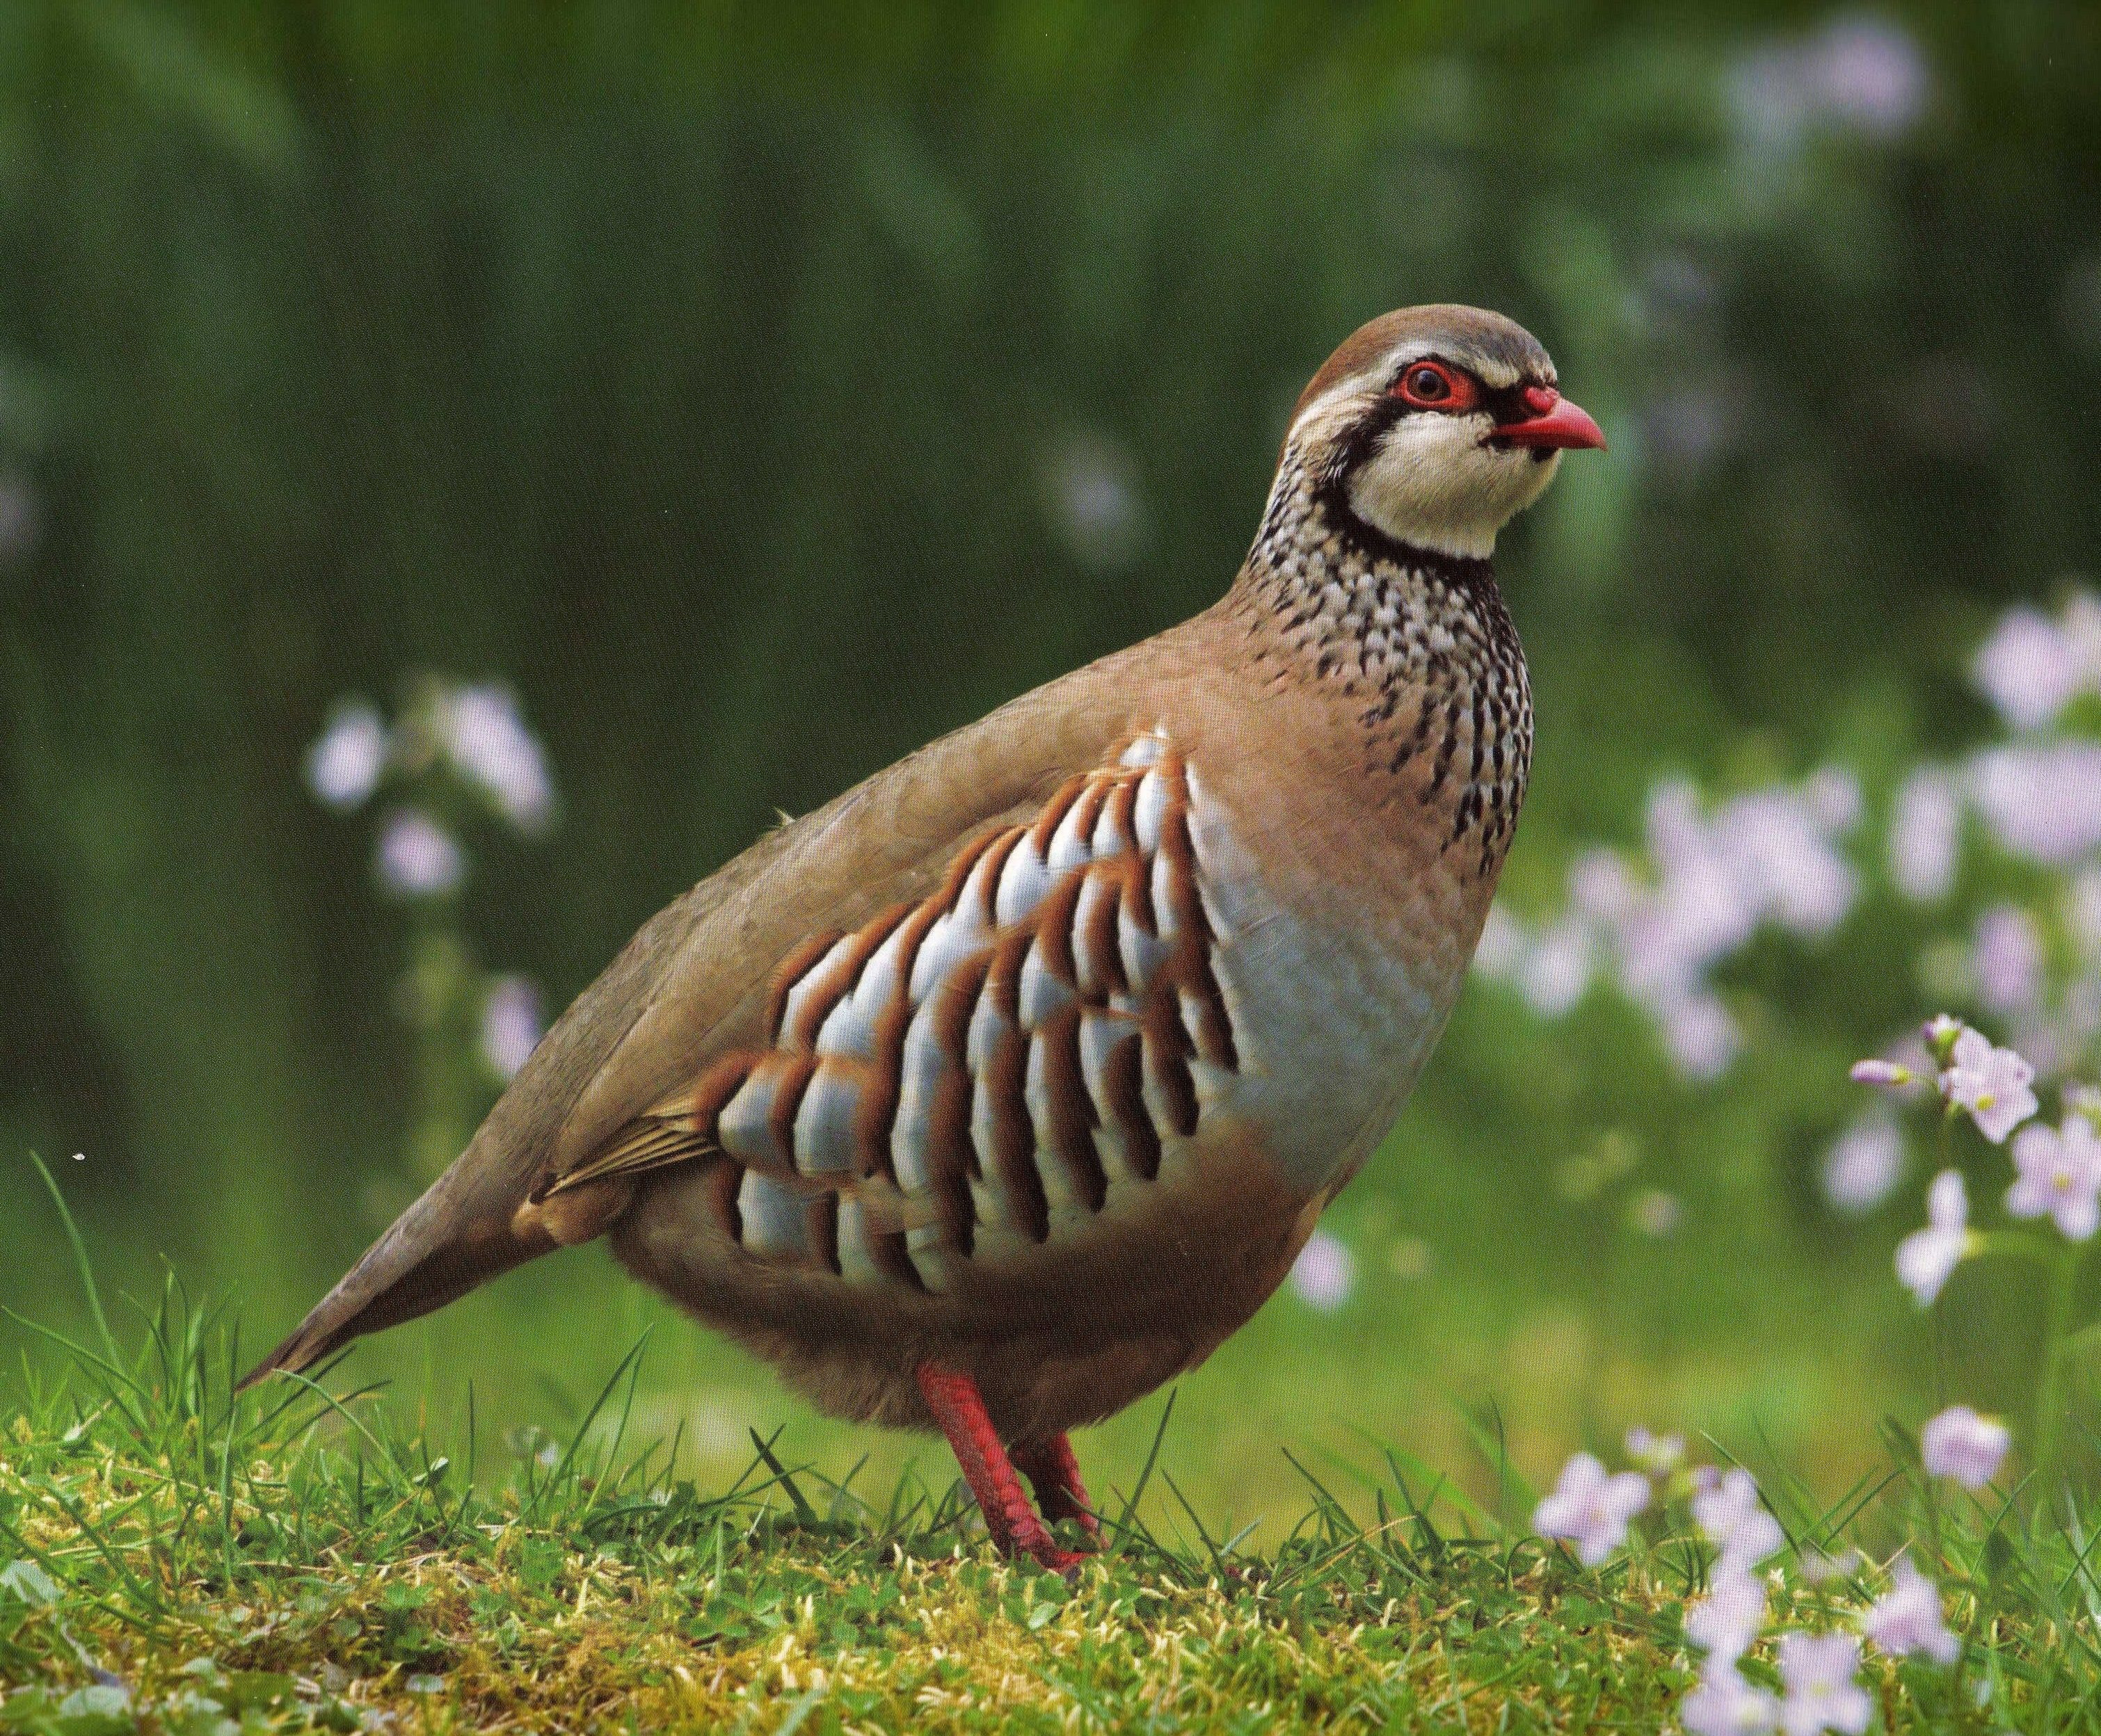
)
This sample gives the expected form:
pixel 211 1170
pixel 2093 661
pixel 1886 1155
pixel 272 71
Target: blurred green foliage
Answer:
pixel 719 377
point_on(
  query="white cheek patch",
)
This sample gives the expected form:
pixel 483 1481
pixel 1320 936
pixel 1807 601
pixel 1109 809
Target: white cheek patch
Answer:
pixel 1434 481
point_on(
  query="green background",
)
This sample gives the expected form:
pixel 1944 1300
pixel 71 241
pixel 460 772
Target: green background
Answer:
pixel 705 373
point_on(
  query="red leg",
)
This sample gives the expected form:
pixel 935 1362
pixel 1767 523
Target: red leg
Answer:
pixel 1050 1466
pixel 957 1407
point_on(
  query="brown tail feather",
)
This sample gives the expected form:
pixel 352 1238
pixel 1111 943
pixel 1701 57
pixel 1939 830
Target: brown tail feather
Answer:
pixel 435 1252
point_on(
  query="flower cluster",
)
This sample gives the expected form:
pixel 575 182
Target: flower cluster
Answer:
pixel 473 734
pixel 1854 74
pixel 1591 1508
pixel 1713 880
pixel 456 751
pixel 2057 1170
pixel 1661 925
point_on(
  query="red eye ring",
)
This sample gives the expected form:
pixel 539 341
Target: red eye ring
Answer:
pixel 1432 385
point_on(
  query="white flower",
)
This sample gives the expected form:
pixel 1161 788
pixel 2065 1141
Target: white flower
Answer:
pixel 486 740
pixel 417 857
pixel 1724 1704
pixel 2006 955
pixel 1908 1620
pixel 1325 1273
pixel 1816 1673
pixel 1729 1512
pixel 1591 1508
pixel 1961 1444
pixel 2059 1173
pixel 1992 1084
pixel 1927 1257
pixel 2028 669
pixel 1659 1454
pixel 1925 836
pixel 344 765
pixel 1729 1619
pixel 509 1023
pixel 1867 1161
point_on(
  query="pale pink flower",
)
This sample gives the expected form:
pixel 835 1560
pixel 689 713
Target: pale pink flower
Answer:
pixel 1723 1703
pixel 1701 1036
pixel 1601 887
pixel 1659 1454
pixel 1864 1165
pixel 1992 1084
pixel 1817 1676
pixel 509 1024
pixel 2006 955
pixel 2028 669
pixel 1728 1510
pixel 1927 1257
pixel 2040 800
pixel 1502 946
pixel 1859 74
pixel 1590 1508
pixel 1908 1620
pixel 1833 797
pixel 1784 861
pixel 2060 1174
pixel 417 857
pixel 1869 74
pixel 1325 1273
pixel 1555 974
pixel 343 766
pixel 1925 836
pixel 486 738
pixel 1961 1444
pixel 1877 1071
pixel 1818 1569
pixel 1729 1619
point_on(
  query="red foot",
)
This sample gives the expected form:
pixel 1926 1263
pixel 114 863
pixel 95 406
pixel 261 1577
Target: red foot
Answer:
pixel 959 1409
pixel 1050 1466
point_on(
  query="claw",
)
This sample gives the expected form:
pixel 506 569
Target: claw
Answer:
pixel 1056 1473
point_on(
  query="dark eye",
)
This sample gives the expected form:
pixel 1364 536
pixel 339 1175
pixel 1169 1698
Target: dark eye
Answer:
pixel 1433 386
pixel 1430 385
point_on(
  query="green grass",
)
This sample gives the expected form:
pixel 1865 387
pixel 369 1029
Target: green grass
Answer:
pixel 174 1556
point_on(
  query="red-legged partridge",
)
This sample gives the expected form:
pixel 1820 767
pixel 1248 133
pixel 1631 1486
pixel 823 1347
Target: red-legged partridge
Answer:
pixel 1003 1088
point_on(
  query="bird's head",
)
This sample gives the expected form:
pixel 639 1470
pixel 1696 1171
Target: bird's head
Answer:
pixel 1435 425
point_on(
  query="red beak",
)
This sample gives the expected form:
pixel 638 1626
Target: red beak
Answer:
pixel 1554 422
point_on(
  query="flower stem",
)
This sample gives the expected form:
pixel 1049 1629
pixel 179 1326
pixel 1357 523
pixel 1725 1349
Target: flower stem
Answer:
pixel 2057 1339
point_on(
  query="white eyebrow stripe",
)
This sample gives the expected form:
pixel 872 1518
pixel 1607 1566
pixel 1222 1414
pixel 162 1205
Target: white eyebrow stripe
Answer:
pixel 1497 376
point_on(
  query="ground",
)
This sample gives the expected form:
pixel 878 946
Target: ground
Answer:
pixel 175 1559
